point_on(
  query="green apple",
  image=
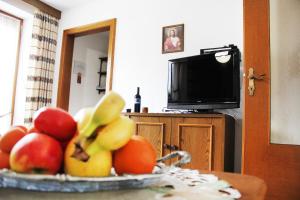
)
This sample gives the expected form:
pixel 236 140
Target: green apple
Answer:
pixel 82 117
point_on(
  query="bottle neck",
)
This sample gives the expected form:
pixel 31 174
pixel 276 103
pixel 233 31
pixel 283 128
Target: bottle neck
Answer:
pixel 138 91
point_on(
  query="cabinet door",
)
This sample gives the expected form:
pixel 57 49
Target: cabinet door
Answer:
pixel 195 135
pixel 156 130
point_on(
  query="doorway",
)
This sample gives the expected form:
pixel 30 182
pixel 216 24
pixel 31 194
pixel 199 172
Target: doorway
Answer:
pixel 67 61
pixel 89 71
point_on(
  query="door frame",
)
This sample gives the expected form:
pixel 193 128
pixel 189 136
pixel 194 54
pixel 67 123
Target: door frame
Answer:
pixel 66 58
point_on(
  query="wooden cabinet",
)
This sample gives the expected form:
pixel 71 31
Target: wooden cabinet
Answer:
pixel 209 138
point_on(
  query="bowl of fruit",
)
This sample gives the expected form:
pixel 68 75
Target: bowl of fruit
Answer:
pixel 94 150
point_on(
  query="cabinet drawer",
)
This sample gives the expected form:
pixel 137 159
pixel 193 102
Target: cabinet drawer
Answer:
pixel 197 140
pixel 156 131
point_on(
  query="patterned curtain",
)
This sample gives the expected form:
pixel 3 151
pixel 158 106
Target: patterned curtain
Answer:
pixel 41 67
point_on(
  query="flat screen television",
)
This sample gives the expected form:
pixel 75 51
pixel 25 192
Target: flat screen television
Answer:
pixel 205 82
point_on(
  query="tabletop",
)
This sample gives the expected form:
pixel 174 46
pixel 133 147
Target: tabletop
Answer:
pixel 250 187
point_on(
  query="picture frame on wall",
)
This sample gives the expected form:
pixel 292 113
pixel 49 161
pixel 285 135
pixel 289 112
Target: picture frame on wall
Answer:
pixel 173 38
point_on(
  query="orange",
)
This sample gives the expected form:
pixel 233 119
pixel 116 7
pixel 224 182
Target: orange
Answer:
pixel 33 130
pixel 10 138
pixel 4 160
pixel 138 156
pixel 22 127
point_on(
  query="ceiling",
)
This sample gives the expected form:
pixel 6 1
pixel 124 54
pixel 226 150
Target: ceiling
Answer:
pixel 64 4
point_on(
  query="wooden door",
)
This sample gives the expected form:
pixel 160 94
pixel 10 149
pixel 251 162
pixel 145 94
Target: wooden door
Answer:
pixel 277 164
pixel 156 130
pixel 194 135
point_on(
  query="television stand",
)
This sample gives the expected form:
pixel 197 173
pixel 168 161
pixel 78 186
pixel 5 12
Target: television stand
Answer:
pixel 209 138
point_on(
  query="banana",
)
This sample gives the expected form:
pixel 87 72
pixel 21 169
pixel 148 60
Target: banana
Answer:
pixel 112 136
pixel 106 110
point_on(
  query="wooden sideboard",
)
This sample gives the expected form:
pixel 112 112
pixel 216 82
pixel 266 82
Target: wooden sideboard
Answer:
pixel 209 138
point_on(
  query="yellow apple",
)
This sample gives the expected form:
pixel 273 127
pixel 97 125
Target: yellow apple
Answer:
pixel 98 164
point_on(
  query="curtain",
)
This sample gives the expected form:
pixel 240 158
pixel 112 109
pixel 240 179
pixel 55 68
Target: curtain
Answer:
pixel 41 67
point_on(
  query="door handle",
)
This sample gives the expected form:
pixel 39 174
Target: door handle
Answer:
pixel 252 77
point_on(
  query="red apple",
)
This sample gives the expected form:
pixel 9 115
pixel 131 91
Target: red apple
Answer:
pixel 55 122
pixel 36 153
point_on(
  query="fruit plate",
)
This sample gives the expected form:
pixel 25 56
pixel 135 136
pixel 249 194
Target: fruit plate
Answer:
pixel 66 183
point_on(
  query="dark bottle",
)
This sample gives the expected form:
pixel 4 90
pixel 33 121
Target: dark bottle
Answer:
pixel 137 101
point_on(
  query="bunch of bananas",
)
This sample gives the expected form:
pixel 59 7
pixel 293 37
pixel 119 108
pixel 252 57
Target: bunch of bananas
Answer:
pixel 101 129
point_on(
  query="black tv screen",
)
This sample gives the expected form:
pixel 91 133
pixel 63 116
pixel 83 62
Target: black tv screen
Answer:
pixel 203 82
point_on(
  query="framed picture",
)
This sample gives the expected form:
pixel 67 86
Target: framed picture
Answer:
pixel 173 38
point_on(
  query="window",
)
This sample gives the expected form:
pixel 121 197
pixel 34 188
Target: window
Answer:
pixel 10 32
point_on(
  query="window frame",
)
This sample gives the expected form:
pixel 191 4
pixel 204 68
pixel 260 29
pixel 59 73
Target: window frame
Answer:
pixel 13 99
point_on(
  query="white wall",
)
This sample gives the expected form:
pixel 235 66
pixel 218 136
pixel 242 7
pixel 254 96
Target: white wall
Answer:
pixel 87 50
pixel 138 57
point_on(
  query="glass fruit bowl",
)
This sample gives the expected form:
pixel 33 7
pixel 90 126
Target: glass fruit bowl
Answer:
pixel 66 183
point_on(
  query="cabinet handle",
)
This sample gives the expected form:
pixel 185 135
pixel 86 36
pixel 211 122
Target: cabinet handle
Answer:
pixel 174 148
pixel 167 146
pixel 171 147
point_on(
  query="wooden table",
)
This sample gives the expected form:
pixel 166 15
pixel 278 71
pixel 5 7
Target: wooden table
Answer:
pixel 251 188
